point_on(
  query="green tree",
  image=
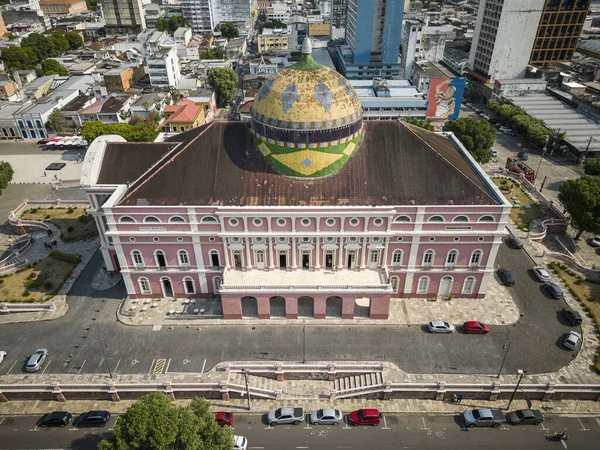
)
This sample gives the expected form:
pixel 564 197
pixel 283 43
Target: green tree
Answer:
pixel 592 167
pixel 41 45
pixel 53 67
pixel 213 53
pixel 91 4
pixel 420 123
pixel 19 57
pixel 155 423
pixel 476 135
pixel 6 174
pixel 56 122
pixel 172 23
pixel 60 42
pixel 581 198
pixel 273 24
pixel 229 30
pixel 223 80
pixel 74 38
pixel 140 131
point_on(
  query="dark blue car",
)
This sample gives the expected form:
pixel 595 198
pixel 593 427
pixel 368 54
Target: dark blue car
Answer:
pixel 554 290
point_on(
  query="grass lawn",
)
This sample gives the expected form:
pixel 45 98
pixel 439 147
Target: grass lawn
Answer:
pixel 522 217
pixel 587 293
pixel 51 274
pixel 73 223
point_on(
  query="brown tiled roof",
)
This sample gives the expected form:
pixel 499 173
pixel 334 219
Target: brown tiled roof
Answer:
pixel 125 162
pixel 394 165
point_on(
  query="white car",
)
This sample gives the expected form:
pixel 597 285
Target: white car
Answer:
pixel 439 326
pixel 240 443
pixel 572 340
pixel 541 274
pixel 494 152
pixel 327 416
pixel 2 355
pixel 505 130
pixel 595 241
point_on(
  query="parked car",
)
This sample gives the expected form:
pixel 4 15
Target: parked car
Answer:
pixel 572 340
pixel 365 417
pixel 473 327
pixel 572 316
pixel 327 416
pixel 439 326
pixel 541 273
pixel 486 116
pixel 554 290
pixel 2 355
pixel 525 417
pixel 92 419
pixel 483 417
pixel 506 277
pixel 494 152
pixel 240 443
pixel 515 242
pixel 595 241
pixel 523 156
pixel 505 129
pixel 35 361
pixel 55 419
pixel 224 418
pixel 281 416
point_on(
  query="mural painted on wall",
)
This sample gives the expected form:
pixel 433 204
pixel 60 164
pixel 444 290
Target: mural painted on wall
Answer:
pixel 445 97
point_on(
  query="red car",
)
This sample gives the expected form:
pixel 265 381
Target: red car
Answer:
pixel 365 417
pixel 224 418
pixel 473 327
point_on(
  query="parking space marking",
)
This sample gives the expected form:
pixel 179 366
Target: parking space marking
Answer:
pixel 101 361
pixel 203 366
pixel 168 364
pixel 117 366
pixel 269 427
pixel 81 368
pixel 543 427
pixel 385 427
pixel 583 428
pixel 564 444
pixel 425 427
pixel 159 365
pixel 2 420
pixel 47 365
pixel 11 367
pixel 347 427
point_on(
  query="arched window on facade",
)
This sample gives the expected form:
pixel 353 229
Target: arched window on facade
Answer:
pixel 428 259
pixel 184 258
pixel 397 259
pixel 144 285
pixel 475 260
pixel 394 281
pixel 451 258
pixel 136 257
pixel 468 285
pixel 188 285
pixel 423 285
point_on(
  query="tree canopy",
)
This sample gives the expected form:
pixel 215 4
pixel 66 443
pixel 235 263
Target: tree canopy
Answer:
pixel 213 53
pixel 592 167
pixel 19 57
pixel 273 24
pixel 56 122
pixel 420 123
pixel 75 40
pixel 140 132
pixel 223 80
pixel 581 198
pixel 172 23
pixel 229 30
pixel 155 423
pixel 36 48
pixel 476 135
pixel 53 67
pixel 6 174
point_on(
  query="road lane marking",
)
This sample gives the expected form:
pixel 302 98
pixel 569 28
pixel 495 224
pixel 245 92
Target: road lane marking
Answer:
pixel 3 419
pixel 425 427
pixel 159 366
pixel 47 365
pixel 385 427
pixel 81 368
pixel 203 366
pixel 151 365
pixel 583 428
pixel 11 368
pixel 564 444
pixel 101 361
pixel 543 427
pixel 301 447
pixel 257 448
pixel 168 364
pixel 117 366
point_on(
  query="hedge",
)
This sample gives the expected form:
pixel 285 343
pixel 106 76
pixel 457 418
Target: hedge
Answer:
pixel 60 256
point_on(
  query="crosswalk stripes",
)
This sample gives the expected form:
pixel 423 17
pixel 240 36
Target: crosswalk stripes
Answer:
pixel 159 366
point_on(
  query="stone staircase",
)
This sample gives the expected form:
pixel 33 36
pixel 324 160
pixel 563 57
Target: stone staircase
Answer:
pixel 255 383
pixel 358 381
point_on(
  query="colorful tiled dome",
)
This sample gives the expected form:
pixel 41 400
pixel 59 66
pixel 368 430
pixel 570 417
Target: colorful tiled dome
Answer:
pixel 312 109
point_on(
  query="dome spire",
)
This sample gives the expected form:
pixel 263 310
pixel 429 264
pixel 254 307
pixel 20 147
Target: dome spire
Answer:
pixel 307 61
pixel 306 46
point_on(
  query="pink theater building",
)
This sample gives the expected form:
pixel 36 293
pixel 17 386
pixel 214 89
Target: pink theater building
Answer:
pixel 284 228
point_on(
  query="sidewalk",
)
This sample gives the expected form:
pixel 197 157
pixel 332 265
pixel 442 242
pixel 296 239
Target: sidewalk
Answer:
pixel 498 308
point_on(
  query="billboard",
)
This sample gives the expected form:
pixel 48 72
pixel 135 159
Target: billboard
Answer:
pixel 445 97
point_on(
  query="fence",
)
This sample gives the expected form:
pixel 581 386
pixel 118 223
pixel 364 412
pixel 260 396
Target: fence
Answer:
pixel 326 371
pixel 22 225
pixel 7 308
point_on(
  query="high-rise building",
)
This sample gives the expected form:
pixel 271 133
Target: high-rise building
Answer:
pixel 503 38
pixel 200 14
pixel 420 42
pixel 123 16
pixel 373 30
pixel 338 13
pixel 559 30
pixel 230 11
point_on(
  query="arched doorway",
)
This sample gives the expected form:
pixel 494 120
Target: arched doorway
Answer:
pixel 167 287
pixel 306 307
pixel 277 305
pixel 249 308
pixel 362 308
pixel 445 287
pixel 333 307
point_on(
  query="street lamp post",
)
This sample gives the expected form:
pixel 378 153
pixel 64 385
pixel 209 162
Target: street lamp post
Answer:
pixel 542 158
pixel 520 374
pixel 507 347
pixel 104 346
pixel 247 390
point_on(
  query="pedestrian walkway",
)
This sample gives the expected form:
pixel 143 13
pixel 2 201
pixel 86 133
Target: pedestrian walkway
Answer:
pixel 498 308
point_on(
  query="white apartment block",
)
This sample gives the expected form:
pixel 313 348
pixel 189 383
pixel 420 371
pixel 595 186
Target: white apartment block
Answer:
pixel 200 14
pixel 124 16
pixel 163 68
pixel 421 42
pixel 231 11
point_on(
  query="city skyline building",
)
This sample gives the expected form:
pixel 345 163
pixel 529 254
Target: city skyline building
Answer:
pixel 123 16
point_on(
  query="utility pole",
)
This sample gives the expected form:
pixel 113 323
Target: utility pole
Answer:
pixel 104 346
pixel 304 344
pixel 247 390
pixel 586 150
pixel 507 347
pixel 542 158
pixel 521 374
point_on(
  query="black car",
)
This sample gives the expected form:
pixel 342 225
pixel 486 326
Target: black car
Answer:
pixel 525 416
pixel 92 419
pixel 554 290
pixel 523 156
pixel 55 419
pixel 514 242
pixel 506 277
pixel 572 316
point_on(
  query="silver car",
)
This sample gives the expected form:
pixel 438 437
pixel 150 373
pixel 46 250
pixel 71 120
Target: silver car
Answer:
pixel 572 340
pixel 439 326
pixel 326 416
pixel 541 274
pixel 35 361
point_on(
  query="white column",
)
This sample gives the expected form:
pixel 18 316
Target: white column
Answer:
pixel 129 285
pixel 341 255
pixel 363 254
pixel 271 256
pixel 293 253
pixel 317 253
pixel 385 251
pixel 198 252
pixel 489 267
pixel 226 253
pixel 108 262
pixel 249 264
pixel 203 283
pixel 414 250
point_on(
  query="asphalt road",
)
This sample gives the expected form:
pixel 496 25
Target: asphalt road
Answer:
pixel 76 340
pixel 395 432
